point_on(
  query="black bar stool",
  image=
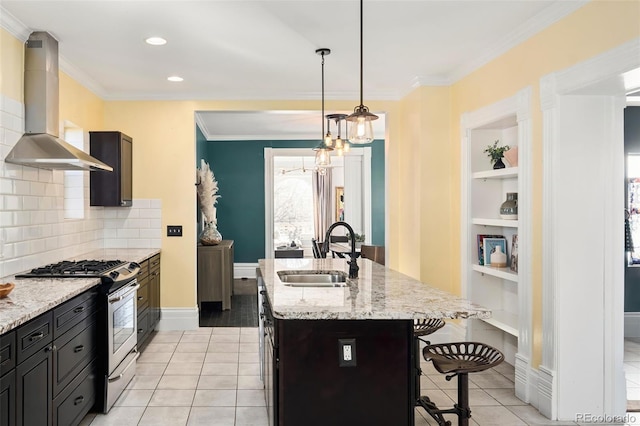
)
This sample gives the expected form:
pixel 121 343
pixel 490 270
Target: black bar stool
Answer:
pixel 458 359
pixel 421 328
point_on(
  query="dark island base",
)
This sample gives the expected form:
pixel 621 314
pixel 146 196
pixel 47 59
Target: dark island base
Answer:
pixel 313 389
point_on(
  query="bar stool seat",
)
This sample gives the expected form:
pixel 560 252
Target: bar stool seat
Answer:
pixel 458 359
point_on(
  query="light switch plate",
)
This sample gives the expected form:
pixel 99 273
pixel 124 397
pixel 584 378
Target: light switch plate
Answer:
pixel 174 230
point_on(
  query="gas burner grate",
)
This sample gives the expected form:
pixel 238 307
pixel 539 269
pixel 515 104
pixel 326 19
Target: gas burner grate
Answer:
pixel 83 267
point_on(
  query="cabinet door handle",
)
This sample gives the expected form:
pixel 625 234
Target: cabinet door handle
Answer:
pixel 140 330
pixel 78 348
pixel 50 348
pixel 36 336
pixel 78 400
pixel 79 309
pixel 140 297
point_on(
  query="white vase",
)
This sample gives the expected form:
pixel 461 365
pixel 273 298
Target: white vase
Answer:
pixel 498 258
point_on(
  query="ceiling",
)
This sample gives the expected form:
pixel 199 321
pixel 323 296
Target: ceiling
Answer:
pixel 265 49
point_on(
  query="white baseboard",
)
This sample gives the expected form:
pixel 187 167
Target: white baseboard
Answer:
pixel 546 391
pixel 244 270
pixel 632 324
pixel 178 319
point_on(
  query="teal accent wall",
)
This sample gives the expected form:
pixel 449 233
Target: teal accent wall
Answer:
pixel 631 146
pixel 239 169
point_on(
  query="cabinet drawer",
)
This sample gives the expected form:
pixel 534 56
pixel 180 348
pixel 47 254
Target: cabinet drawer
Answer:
pixel 34 335
pixel 143 295
pixel 7 352
pixel 154 263
pixel 70 407
pixel 74 353
pixel 73 311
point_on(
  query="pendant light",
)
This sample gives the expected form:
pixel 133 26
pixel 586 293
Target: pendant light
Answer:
pixel 361 127
pixel 323 157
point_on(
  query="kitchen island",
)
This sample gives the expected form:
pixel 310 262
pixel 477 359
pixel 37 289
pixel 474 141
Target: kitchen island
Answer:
pixel 345 355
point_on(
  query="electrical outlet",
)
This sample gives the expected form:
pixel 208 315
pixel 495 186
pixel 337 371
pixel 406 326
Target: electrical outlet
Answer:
pixel 174 230
pixel 347 352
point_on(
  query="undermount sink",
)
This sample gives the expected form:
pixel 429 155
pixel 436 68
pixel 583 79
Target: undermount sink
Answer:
pixel 313 278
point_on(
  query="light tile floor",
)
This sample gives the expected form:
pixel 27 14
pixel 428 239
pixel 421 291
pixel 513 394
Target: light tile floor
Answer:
pixel 210 376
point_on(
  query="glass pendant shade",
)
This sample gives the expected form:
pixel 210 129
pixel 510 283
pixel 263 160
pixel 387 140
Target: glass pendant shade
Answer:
pixel 346 147
pixel 323 158
pixel 338 143
pixel 361 130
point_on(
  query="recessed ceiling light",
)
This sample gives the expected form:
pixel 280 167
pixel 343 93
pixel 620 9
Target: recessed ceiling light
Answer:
pixel 156 41
pixel 175 78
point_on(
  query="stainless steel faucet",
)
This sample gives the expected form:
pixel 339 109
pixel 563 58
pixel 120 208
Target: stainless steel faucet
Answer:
pixel 353 265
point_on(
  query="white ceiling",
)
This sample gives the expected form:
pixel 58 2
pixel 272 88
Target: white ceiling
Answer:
pixel 265 49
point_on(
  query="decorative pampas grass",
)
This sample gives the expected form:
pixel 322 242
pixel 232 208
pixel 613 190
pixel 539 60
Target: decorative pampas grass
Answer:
pixel 207 192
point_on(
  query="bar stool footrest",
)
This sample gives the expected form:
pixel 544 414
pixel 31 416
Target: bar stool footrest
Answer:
pixel 432 409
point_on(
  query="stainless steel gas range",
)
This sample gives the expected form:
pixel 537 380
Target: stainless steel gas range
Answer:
pixel 118 293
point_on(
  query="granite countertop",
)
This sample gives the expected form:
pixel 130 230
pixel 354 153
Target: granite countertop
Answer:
pixel 377 293
pixel 34 296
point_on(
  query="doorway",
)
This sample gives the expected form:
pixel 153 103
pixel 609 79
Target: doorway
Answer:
pixel 583 250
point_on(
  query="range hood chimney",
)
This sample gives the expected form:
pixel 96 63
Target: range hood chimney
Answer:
pixel 40 146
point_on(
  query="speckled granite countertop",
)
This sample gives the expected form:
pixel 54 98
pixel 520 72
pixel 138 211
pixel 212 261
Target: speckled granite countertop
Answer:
pixel 34 296
pixel 377 293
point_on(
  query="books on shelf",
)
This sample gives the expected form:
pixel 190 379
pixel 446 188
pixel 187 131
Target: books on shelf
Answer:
pixel 514 253
pixel 481 238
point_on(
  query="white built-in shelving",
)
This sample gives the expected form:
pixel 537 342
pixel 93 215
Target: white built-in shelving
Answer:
pixel 506 291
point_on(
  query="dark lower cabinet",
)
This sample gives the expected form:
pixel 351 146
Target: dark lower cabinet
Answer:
pixel 148 299
pixel 70 407
pixel 306 383
pixel 47 380
pixel 34 389
pixel 8 399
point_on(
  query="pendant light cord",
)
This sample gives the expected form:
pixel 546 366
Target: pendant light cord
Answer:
pixel 361 55
pixel 322 120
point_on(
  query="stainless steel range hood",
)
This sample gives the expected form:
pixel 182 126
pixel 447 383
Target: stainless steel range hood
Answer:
pixel 40 146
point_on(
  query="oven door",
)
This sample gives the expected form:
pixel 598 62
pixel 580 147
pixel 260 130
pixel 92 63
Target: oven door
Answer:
pixel 122 323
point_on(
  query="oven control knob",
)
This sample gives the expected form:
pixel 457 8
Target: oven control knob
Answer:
pixel 114 274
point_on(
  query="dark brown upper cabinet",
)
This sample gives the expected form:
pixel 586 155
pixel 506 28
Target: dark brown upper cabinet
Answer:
pixel 111 188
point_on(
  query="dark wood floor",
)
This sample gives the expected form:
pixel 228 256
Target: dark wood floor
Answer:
pixel 243 312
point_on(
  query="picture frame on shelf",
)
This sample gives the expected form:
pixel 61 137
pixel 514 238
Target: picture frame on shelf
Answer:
pixel 514 253
pixel 490 245
pixel 480 239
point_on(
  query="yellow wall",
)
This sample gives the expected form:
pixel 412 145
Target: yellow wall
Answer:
pixel 79 105
pixel 597 27
pixel 11 68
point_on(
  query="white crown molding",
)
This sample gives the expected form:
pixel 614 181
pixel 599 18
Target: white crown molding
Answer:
pixel 539 22
pixel 81 77
pixel 10 23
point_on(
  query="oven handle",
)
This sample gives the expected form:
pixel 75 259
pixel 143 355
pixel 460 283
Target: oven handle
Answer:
pixel 131 290
pixel 121 375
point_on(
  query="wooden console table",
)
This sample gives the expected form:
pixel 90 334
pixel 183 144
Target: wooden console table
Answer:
pixel 215 273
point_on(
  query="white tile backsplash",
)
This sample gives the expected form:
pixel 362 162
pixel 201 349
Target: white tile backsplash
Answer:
pixel 33 230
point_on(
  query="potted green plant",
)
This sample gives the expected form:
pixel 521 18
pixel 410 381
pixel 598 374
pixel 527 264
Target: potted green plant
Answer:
pixel 359 239
pixel 496 153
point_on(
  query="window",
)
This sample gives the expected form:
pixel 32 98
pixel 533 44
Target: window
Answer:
pixel 292 201
pixel 74 179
